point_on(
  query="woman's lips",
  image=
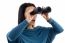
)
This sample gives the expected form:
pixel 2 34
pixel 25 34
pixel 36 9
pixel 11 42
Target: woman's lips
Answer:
pixel 33 20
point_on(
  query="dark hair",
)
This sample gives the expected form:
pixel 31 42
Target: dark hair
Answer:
pixel 21 12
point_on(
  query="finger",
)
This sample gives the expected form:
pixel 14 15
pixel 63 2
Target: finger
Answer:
pixel 44 16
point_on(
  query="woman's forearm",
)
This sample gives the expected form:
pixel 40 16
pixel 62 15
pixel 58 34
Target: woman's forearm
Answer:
pixel 56 27
pixel 13 34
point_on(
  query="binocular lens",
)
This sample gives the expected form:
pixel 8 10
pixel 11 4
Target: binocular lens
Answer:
pixel 46 10
pixel 40 10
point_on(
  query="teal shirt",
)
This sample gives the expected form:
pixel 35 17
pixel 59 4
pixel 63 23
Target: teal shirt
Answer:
pixel 21 34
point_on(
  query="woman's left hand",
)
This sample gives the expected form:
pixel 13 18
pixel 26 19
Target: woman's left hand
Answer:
pixel 46 16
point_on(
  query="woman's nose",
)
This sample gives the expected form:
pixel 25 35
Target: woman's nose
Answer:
pixel 35 16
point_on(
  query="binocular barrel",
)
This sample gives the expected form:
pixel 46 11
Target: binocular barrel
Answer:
pixel 40 10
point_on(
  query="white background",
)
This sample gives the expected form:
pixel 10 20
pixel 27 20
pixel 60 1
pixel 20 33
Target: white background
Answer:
pixel 9 15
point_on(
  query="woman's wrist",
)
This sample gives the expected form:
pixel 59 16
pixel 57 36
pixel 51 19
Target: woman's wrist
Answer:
pixel 49 20
pixel 28 20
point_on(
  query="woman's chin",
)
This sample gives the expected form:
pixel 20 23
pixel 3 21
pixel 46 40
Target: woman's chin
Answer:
pixel 32 22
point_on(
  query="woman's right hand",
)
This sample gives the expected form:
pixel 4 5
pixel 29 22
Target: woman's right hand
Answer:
pixel 28 16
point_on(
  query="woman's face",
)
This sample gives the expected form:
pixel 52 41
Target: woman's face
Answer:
pixel 27 13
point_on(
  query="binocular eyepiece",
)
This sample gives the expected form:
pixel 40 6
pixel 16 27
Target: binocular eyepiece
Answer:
pixel 39 10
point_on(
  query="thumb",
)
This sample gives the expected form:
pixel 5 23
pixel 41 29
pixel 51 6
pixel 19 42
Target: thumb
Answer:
pixel 44 16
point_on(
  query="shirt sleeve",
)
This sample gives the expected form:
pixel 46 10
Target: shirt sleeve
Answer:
pixel 15 32
pixel 56 27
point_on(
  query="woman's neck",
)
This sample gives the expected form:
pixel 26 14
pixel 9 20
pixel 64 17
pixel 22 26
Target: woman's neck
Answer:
pixel 30 26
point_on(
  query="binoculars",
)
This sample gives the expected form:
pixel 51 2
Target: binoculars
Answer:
pixel 40 10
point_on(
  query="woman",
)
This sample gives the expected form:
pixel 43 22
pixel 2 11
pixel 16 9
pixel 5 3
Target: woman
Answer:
pixel 25 32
